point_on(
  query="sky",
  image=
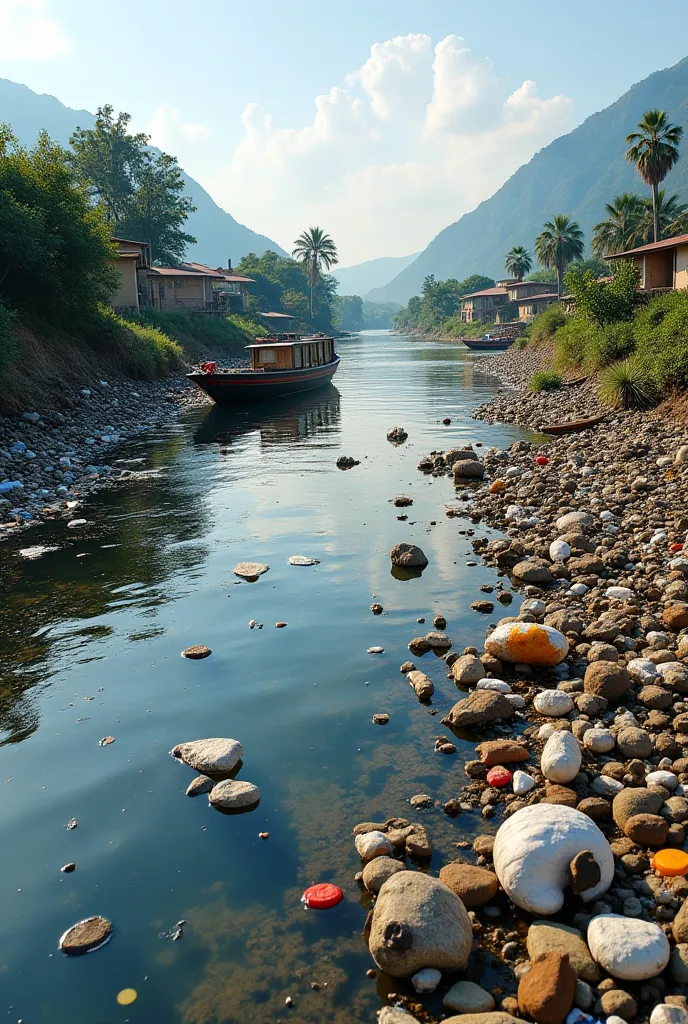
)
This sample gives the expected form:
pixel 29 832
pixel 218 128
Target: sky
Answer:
pixel 382 121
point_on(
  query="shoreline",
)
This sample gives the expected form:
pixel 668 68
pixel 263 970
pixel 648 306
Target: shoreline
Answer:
pixel 594 536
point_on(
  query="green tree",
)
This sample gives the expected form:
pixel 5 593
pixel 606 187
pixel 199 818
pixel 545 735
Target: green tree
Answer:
pixel 349 313
pixel 654 151
pixel 55 245
pixel 518 262
pixel 157 209
pixel 558 244
pixel 622 228
pixel 315 249
pixel 295 303
pixel 140 191
pixel 604 302
pixel 543 276
pixel 672 217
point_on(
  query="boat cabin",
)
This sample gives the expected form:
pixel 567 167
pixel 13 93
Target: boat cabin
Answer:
pixel 291 352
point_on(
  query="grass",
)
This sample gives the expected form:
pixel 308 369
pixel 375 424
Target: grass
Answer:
pixel 141 350
pixel 200 335
pixel 628 385
pixel 543 381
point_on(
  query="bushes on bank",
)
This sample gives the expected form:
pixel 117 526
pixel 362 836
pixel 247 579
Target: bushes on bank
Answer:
pixel 628 385
pixel 581 343
pixel 661 339
pixel 546 324
pixel 201 335
pixel 142 350
pixel 544 381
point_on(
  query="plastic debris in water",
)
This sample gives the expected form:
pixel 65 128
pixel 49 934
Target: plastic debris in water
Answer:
pixel 127 996
pixel 322 896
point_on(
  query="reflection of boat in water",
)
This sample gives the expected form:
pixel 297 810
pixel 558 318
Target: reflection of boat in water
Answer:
pixel 282 364
pixel 280 421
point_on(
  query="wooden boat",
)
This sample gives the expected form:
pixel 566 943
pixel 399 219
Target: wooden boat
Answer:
pixel 281 364
pixel 572 426
pixel 488 343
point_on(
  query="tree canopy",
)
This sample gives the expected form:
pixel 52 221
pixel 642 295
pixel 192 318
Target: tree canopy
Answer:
pixel 315 249
pixel 55 244
pixel 518 262
pixel 282 286
pixel 440 301
pixel 140 191
pixel 654 151
pixel 559 243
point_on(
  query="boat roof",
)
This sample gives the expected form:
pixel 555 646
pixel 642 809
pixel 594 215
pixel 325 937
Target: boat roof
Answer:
pixel 266 343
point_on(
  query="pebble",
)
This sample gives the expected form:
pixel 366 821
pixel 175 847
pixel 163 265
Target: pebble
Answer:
pixel 86 935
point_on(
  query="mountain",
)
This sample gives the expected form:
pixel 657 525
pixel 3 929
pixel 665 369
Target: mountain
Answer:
pixel 219 235
pixel 359 279
pixel 576 174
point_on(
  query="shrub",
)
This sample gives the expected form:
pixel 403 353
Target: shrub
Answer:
pixel 201 335
pixel 603 302
pixel 628 385
pixel 143 351
pixel 582 343
pixel 546 324
pixel 661 337
pixel 8 343
pixel 543 381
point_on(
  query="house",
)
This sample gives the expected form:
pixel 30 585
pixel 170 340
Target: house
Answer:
pixel 195 288
pixel 131 263
pixel 531 305
pixel 483 305
pixel 277 321
pixel 518 290
pixel 662 266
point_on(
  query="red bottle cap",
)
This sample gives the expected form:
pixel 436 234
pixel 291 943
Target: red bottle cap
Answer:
pixel 542 460
pixel 322 896
pixel 499 776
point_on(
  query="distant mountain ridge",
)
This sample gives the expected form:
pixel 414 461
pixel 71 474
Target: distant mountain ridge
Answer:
pixel 576 174
pixel 360 278
pixel 220 236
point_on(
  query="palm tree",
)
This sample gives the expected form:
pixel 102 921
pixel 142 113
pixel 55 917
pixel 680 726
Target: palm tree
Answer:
pixel 558 244
pixel 654 151
pixel 315 248
pixel 623 227
pixel 518 262
pixel 672 217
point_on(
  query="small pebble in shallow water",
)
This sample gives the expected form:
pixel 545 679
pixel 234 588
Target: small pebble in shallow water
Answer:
pixel 289 1001
pixel 263 835
pixel 280 625
pixel 106 741
pixel 376 609
pixel 196 652
pixel 72 823
pixel 68 868
pixel 381 719
pixel 376 650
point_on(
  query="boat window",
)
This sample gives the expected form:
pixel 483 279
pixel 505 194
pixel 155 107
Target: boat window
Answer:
pixel 321 352
pixel 298 356
pixel 266 355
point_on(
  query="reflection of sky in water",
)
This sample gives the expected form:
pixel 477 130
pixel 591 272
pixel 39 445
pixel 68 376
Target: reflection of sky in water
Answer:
pixel 90 647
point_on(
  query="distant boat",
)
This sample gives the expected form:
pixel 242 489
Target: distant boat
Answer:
pixel 281 364
pixel 489 342
pixel 572 426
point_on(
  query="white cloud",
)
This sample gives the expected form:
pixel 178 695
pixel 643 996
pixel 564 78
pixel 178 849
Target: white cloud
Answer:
pixel 27 32
pixel 169 131
pixel 419 136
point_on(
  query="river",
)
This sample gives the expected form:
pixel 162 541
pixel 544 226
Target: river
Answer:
pixel 90 645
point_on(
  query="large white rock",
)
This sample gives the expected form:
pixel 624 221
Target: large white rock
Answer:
pixel 627 948
pixel 662 778
pixel 534 848
pixel 395 1015
pixel 559 551
pixel 553 703
pixel 573 519
pixel 522 782
pixel 467 997
pixel 664 1013
pixel 419 922
pixel 600 741
pixel 493 684
pixel 233 795
pixel 561 757
pixel 642 670
pixel 373 844
pixel 619 593
pixel 527 643
pixel 212 757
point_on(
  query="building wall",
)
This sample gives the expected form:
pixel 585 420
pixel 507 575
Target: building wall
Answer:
pixel 681 271
pixel 659 269
pixel 127 294
pixel 184 291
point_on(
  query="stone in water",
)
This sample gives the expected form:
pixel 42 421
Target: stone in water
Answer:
pixel 250 570
pixel 301 560
pixel 86 935
pixel 196 652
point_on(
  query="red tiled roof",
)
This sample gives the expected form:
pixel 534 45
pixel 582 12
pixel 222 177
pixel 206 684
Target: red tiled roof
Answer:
pixel 485 292
pixel 224 275
pixel 175 272
pixel 666 243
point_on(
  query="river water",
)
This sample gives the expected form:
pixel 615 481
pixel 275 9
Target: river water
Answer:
pixel 90 639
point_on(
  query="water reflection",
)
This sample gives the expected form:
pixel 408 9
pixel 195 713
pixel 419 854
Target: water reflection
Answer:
pixel 280 422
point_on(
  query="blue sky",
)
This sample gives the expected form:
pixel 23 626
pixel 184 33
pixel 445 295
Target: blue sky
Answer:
pixel 406 138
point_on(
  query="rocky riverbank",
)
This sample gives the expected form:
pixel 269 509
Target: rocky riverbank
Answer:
pixel 51 460
pixel 579 708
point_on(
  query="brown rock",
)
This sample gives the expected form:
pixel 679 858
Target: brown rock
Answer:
pixel 545 992
pixel 560 795
pixel 654 697
pixel 667 745
pixel 633 742
pixel 196 652
pixel 679 926
pixel 484 846
pixel 632 802
pixel 422 684
pixel 619 1003
pixel 493 752
pixel 646 829
pixel 473 885
pixel 606 679
pixel 480 708
pixel 86 935
pixel 586 565
pixel 596 807
pixel 584 871
pixel 675 616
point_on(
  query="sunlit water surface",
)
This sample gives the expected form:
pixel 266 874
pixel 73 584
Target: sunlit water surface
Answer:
pixel 90 646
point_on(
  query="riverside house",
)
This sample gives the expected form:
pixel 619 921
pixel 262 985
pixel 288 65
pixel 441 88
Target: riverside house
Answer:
pixel 662 266
pixel 131 263
pixel 196 288
pixel 496 304
pixel 478 307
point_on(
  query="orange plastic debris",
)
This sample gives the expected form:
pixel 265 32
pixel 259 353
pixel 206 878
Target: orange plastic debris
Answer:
pixel 670 862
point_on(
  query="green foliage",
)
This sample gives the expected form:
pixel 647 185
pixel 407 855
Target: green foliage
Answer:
pixel 546 324
pixel 661 338
pixel 630 222
pixel 544 381
pixel 518 262
pixel 628 385
pixel 8 343
pixel 654 151
pixel 282 287
pixel 200 335
pixel 140 192
pixel 379 315
pixel 582 343
pixel 144 351
pixel 349 313
pixel 543 276
pixel 314 249
pixel 604 302
pixel 54 245
pixel 440 301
